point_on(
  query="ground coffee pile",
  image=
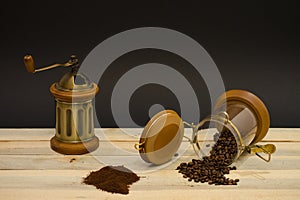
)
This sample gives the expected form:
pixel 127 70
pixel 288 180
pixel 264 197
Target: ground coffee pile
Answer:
pixel 114 179
pixel 212 168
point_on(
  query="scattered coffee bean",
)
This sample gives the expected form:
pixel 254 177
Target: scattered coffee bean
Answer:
pixel 212 168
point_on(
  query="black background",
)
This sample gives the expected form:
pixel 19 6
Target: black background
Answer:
pixel 255 45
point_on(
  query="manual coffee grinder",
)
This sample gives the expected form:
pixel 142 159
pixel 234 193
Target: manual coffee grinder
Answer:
pixel 73 94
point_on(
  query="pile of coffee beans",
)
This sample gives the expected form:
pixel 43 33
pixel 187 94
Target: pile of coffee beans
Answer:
pixel 212 168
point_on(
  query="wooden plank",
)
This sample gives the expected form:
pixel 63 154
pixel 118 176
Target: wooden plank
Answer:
pixel 17 147
pixel 114 134
pixel 147 193
pixel 274 134
pixel 68 179
pixel 55 162
pixel 30 170
pixel 47 133
pixel 26 134
pixel 283 134
pixel 43 148
pixel 66 184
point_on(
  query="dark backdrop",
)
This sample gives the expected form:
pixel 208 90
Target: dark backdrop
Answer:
pixel 255 45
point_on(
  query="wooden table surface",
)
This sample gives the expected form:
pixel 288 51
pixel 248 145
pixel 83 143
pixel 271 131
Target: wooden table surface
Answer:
pixel 29 169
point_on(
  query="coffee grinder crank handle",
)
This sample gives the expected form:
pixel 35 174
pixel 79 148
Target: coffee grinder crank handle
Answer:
pixel 31 68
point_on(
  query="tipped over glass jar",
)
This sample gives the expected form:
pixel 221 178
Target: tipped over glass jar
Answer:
pixel 239 118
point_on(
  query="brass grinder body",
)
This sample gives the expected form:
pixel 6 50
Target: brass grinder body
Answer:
pixel 74 95
pixel 74 116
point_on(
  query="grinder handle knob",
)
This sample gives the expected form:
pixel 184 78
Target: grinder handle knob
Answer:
pixel 29 63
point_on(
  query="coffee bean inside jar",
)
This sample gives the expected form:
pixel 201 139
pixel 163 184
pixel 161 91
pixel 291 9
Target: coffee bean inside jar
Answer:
pixel 213 168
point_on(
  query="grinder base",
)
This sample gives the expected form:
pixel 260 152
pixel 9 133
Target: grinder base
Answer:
pixel 74 148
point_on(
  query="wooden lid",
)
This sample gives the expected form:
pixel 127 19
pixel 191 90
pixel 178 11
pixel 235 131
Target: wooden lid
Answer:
pixel 161 137
pixel 255 104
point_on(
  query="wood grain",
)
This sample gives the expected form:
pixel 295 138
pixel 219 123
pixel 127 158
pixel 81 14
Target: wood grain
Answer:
pixel 29 169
